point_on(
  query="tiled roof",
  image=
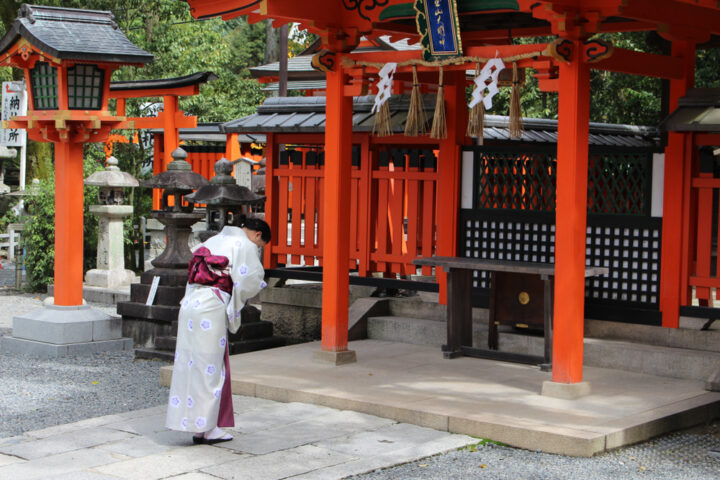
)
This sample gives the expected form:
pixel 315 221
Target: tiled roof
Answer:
pixel 302 64
pixel 162 83
pixel 698 111
pixel 210 132
pixel 307 114
pixel 74 34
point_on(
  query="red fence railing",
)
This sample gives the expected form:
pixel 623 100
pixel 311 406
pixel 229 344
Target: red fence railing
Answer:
pixel 392 212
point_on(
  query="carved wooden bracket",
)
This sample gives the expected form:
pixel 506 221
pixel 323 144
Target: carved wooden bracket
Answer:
pixel 560 50
pixel 595 50
pixel 324 61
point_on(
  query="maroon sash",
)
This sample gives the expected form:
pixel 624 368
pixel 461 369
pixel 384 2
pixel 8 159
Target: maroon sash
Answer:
pixel 199 270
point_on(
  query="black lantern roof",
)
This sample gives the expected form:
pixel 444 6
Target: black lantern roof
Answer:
pixel 223 190
pixel 73 34
pixel 178 177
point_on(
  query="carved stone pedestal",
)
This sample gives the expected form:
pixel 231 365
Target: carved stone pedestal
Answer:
pixel 143 322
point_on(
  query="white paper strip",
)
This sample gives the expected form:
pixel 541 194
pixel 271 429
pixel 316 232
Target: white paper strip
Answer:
pixel 384 86
pixel 490 72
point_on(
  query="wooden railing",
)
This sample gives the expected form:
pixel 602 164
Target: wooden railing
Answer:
pixel 392 209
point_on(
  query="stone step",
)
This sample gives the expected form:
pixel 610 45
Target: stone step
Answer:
pixel 245 346
pixel 166 343
pixel 164 296
pixel 691 337
pixel 651 359
pixel 150 312
pixel 168 276
pixel 253 330
pixel 154 354
pixel 661 360
pixel 414 307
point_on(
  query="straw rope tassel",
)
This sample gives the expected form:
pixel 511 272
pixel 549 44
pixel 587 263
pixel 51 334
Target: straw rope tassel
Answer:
pixel 439 126
pixel 415 123
pixel 382 126
pixel 516 126
pixel 476 120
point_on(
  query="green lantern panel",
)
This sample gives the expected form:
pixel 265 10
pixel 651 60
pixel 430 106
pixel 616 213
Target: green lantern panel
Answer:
pixel 44 86
pixel 85 87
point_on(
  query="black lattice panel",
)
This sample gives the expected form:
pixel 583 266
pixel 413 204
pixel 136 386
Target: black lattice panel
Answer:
pixel 523 178
pixel 509 178
pixel 619 182
pixel 507 237
pixel 628 246
pixel 631 250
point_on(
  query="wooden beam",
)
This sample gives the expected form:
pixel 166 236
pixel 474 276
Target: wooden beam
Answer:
pixel 641 63
pixel 477 37
pixel 669 13
pixel 492 51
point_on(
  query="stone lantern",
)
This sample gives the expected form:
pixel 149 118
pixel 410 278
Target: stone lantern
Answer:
pixel 225 200
pixel 178 181
pixel 152 312
pixel 110 271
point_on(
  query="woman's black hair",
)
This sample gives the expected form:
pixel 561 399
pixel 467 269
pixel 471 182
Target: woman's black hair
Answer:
pixel 258 225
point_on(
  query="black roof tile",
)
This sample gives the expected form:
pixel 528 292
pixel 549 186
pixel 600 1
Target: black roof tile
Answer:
pixel 307 114
pixel 74 34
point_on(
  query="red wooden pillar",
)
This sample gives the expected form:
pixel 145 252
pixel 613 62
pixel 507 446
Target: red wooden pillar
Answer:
pixel 158 166
pixel 68 223
pixel 336 217
pixel 271 202
pixel 171 133
pixel 673 224
pixel 449 167
pixel 232 147
pixel 571 217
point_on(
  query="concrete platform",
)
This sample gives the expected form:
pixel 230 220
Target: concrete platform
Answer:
pixel 495 400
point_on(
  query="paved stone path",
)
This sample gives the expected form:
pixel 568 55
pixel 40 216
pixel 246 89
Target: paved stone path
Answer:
pixel 272 441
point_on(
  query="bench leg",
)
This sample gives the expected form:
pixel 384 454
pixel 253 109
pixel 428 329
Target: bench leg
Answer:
pixel 459 312
pixel 548 320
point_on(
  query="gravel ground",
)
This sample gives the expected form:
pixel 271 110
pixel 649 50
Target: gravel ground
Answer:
pixel 679 456
pixel 38 393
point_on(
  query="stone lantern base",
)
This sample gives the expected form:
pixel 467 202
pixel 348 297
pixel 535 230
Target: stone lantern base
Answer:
pixel 58 331
pixel 109 278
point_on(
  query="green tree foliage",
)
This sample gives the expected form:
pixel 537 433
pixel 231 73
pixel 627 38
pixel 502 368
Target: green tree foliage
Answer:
pixel 615 97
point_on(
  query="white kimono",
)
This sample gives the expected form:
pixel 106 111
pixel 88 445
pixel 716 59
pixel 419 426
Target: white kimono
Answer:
pixel 206 314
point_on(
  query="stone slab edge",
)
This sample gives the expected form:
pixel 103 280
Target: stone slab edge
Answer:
pixel 52 350
pixel 548 438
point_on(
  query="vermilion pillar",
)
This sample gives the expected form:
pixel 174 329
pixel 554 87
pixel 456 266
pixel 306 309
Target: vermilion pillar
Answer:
pixel 571 217
pixel 232 147
pixel 171 133
pixel 336 216
pixel 449 167
pixel 68 223
pixel 671 280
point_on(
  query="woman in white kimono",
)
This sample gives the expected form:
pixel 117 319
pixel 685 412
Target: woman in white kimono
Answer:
pixel 224 273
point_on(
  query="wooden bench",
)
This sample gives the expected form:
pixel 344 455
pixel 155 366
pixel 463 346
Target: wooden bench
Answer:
pixel 521 293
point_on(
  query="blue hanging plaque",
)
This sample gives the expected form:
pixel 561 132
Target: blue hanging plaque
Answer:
pixel 439 29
